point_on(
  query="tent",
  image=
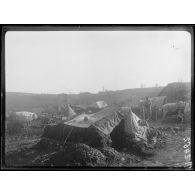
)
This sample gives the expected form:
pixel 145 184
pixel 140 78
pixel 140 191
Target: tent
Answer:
pixel 99 129
pixel 103 121
pixel 29 116
pixel 67 111
pixel 98 105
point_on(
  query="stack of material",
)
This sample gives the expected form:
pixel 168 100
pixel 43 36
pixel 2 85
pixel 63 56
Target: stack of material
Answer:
pixel 75 155
pixel 81 155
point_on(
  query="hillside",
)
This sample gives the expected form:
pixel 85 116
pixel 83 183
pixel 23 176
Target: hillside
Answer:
pixel 131 97
pixel 27 101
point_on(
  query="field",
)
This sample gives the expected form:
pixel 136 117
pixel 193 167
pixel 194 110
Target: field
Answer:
pixel 22 150
pixel 130 97
pixel 27 101
pixel 27 149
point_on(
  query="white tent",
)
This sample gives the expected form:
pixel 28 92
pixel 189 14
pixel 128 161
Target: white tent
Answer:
pixel 27 115
pixel 68 111
pixel 98 104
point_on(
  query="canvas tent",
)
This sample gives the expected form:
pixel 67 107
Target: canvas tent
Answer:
pixel 104 121
pixel 67 111
pixel 29 116
pixel 98 105
pixel 97 129
pixel 132 125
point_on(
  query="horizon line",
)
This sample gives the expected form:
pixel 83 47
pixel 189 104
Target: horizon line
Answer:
pixel 69 93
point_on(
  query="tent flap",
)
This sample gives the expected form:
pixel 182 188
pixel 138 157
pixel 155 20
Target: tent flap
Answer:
pixel 132 126
pixel 107 124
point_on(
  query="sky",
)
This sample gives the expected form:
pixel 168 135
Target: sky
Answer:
pixel 86 61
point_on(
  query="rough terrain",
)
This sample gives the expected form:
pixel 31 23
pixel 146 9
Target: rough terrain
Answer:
pixel 29 150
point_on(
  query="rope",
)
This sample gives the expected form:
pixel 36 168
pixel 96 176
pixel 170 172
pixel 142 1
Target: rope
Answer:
pixel 67 137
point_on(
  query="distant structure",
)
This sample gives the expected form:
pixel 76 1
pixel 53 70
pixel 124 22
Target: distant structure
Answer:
pixel 143 85
pixel 180 80
pixel 29 116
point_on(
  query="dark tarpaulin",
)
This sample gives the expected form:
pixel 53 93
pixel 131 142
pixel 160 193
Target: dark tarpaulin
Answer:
pixel 90 128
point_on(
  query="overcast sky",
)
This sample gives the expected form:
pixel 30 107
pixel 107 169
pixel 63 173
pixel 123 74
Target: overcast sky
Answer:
pixel 85 61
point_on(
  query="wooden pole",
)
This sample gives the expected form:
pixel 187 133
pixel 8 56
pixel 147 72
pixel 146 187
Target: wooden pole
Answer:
pixel 143 113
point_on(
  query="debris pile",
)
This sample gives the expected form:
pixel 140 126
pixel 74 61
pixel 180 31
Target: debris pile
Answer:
pixel 74 155
pixel 115 158
pixel 81 155
pixel 156 138
pixel 173 130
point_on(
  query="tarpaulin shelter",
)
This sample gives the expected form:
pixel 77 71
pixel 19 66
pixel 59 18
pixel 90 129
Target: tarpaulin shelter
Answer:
pixel 104 120
pixel 67 111
pixel 98 105
pixel 29 116
pixel 100 128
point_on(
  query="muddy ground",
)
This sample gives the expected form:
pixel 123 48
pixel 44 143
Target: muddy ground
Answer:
pixel 176 151
pixel 27 151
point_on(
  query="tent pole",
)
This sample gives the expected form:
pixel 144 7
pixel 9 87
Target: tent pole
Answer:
pixel 143 113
